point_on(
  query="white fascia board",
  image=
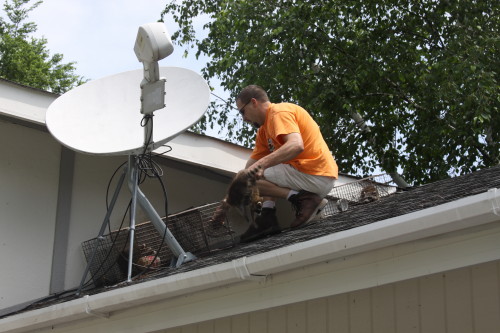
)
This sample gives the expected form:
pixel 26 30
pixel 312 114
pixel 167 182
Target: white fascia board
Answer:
pixel 21 102
pixel 204 151
pixel 463 214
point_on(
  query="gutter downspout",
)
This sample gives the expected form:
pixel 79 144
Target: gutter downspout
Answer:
pixel 241 268
pixel 495 201
pixel 461 214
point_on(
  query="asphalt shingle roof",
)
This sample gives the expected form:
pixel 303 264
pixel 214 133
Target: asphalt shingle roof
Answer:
pixel 398 204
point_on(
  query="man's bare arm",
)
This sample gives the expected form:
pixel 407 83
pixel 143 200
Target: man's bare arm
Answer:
pixel 293 146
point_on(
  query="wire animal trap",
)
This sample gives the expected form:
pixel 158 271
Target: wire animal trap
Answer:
pixel 104 269
pixel 358 192
pixel 192 228
pixel 195 231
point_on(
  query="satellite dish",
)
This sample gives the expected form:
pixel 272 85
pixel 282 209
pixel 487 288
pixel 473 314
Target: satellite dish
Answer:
pixel 104 117
pixel 114 116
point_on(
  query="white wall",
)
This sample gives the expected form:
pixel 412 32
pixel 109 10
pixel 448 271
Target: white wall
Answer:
pixel 458 301
pixel 29 169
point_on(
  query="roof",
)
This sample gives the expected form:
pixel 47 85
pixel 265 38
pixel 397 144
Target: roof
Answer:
pixel 19 103
pixel 28 87
pixel 400 203
pixel 396 205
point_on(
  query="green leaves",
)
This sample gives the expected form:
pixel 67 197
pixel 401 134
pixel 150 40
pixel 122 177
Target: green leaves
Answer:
pixel 423 75
pixel 25 59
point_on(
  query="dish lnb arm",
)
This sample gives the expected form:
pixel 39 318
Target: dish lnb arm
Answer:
pixel 152 44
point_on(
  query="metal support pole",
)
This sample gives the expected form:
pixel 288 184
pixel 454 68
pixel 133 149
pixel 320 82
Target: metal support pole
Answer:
pixel 133 179
pixel 162 229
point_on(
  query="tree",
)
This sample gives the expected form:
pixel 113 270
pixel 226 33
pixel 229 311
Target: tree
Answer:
pixel 408 86
pixel 25 59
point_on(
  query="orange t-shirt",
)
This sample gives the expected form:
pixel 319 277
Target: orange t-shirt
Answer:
pixel 286 118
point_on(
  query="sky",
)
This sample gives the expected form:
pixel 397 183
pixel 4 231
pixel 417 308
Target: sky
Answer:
pixel 99 35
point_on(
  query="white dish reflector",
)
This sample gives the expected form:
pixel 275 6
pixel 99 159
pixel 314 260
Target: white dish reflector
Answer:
pixel 104 117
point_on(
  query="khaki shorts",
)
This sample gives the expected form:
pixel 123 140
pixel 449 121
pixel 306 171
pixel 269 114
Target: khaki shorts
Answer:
pixel 284 175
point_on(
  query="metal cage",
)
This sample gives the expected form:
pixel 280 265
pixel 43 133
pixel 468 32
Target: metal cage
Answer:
pixel 192 228
pixel 196 233
pixel 358 192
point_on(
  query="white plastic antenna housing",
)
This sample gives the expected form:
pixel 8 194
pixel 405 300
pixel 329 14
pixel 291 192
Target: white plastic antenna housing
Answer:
pixel 153 42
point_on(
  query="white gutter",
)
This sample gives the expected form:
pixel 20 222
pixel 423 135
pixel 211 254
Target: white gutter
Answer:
pixel 457 215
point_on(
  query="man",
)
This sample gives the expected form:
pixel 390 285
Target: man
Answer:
pixel 295 161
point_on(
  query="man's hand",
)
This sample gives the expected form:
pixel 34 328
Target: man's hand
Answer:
pixel 257 170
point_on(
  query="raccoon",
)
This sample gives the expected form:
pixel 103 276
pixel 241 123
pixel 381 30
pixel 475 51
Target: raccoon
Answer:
pixel 369 193
pixel 242 193
pixel 142 258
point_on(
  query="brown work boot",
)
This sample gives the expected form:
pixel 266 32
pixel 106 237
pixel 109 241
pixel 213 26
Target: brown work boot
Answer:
pixel 267 224
pixel 307 206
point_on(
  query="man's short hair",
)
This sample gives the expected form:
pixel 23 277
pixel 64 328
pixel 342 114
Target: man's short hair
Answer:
pixel 252 91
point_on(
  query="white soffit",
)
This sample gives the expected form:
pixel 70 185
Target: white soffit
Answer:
pixel 205 151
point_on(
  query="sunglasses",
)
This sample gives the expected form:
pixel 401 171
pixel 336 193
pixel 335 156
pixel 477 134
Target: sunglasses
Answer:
pixel 242 110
